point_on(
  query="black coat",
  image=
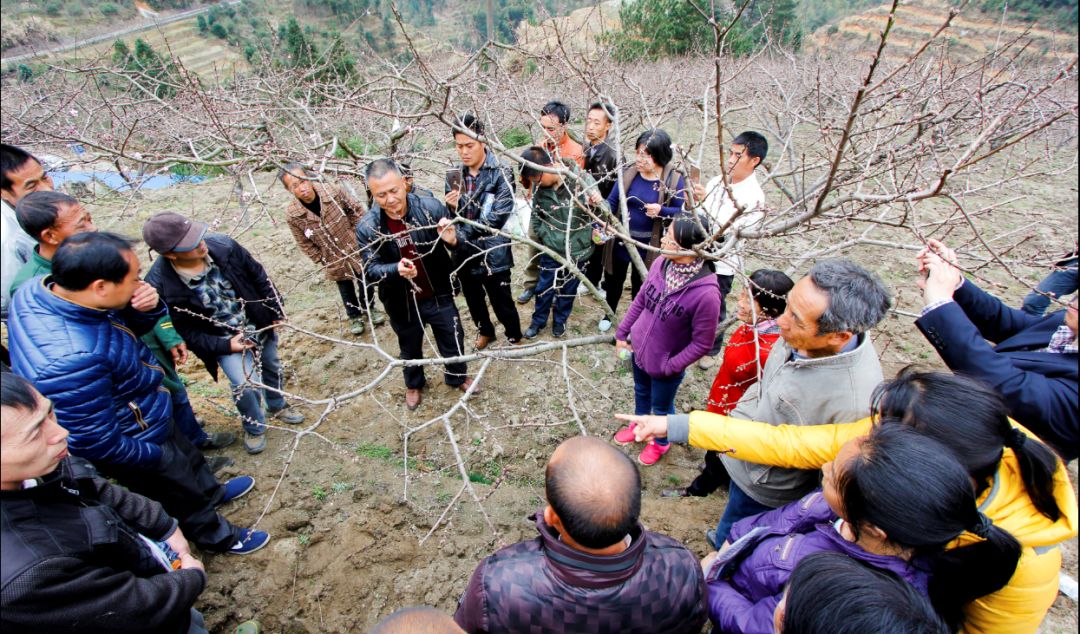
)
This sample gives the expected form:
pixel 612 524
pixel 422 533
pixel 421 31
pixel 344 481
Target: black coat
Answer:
pixel 481 252
pixel 192 319
pixel 73 562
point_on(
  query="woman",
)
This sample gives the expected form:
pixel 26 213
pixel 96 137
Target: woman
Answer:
pixel 670 325
pixel 1021 485
pixel 830 593
pixel 653 191
pixel 892 500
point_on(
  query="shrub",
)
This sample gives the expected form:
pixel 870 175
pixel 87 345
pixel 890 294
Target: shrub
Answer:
pixel 109 9
pixel 515 137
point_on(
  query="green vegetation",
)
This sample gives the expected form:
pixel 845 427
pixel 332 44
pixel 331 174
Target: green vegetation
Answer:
pixel 515 137
pixel 369 450
pixel 153 72
pixel 1061 14
pixel 319 493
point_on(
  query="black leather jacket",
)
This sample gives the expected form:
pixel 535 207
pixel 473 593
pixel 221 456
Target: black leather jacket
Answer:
pixel 480 252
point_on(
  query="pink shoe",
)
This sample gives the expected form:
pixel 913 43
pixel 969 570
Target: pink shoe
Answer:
pixel 652 453
pixel 625 436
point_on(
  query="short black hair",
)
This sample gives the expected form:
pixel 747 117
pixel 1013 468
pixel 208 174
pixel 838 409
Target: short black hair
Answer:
pixel 11 159
pixel 16 392
pixel 557 108
pixel 831 593
pixel 595 510
pixel 755 144
pixel 690 231
pixel 657 144
pixel 38 211
pixel 381 167
pixel 86 257
pixel 291 168
pixel 609 109
pixel 469 122
pixel 537 155
pixel 769 288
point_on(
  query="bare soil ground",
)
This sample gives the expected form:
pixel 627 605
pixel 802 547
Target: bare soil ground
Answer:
pixel 348 544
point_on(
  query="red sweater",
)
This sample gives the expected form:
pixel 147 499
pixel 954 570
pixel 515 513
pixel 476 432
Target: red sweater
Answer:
pixel 743 361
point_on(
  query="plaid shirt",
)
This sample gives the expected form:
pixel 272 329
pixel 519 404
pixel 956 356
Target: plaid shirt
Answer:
pixel 1063 341
pixel 217 293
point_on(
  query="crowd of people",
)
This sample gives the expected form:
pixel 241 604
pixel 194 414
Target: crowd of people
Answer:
pixel 927 502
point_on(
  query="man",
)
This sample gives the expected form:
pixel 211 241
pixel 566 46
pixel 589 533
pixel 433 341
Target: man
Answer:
pixel 78 555
pixel 594 567
pixel 50 218
pixel 20 174
pixel 554 120
pixel 322 218
pixel 226 308
pixel 405 243
pixel 602 163
pixel 1033 363
pixel 73 334
pixel 560 222
pixel 748 150
pixel 823 370
pixel 483 260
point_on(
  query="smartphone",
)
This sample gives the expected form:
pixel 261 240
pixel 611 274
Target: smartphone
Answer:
pixel 695 173
pixel 453 179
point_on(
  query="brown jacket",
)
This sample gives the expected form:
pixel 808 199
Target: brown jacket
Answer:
pixel 330 238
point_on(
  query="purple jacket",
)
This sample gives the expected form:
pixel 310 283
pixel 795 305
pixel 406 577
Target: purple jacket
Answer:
pixel 745 602
pixel 543 585
pixel 670 331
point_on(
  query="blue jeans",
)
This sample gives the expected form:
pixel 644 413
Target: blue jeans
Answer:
pixel 259 362
pixel 1062 281
pixel 739 506
pixel 184 418
pixel 556 286
pixel 197 625
pixel 655 395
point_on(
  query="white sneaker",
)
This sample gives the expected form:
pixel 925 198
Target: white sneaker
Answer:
pixel 582 290
pixel 605 324
pixel 603 294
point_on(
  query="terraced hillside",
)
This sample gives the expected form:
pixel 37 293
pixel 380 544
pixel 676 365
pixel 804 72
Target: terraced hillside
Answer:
pixel 971 35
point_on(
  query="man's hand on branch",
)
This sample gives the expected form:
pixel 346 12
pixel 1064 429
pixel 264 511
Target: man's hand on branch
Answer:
pixel 240 342
pixel 406 268
pixel 646 428
pixel 179 354
pixel 699 192
pixel 940 276
pixel 447 231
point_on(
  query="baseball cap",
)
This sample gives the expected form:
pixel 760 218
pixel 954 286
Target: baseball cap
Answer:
pixel 169 232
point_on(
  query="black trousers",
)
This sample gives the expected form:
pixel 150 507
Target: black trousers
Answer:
pixel 613 282
pixel 594 268
pixel 496 288
pixel 725 289
pixel 356 304
pixel 186 487
pixel 408 319
pixel 711 478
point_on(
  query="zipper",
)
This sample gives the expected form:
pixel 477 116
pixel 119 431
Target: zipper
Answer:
pixel 785 550
pixel 138 415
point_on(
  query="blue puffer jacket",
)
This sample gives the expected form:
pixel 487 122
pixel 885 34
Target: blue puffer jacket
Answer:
pixel 104 383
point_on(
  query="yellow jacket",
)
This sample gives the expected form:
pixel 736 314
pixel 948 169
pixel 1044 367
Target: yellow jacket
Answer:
pixel 1018 607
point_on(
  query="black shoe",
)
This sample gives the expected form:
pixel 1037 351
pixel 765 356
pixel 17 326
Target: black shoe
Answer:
pixel 217 440
pixel 558 330
pixel 217 463
pixel 681 492
pixel 526 295
pixel 532 331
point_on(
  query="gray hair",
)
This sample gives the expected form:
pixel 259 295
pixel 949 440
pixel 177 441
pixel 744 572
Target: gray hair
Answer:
pixel 381 167
pixel 858 299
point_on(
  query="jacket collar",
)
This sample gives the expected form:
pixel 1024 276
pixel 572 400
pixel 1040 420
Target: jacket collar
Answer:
pixel 59 479
pixel 842 360
pixel 66 308
pixel 298 210
pixel 581 569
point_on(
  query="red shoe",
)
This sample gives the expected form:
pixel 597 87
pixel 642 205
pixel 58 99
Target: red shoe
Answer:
pixel 625 436
pixel 652 453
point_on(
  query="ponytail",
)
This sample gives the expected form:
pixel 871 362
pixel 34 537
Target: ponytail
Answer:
pixel 912 488
pixel 970 418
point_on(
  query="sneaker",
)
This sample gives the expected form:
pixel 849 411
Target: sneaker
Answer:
pixel 582 290
pixel 238 487
pixel 605 324
pixel 287 416
pixel 558 330
pixel 706 362
pixel 356 325
pixel 526 296
pixel 652 453
pixel 681 492
pixel 217 463
pixel 217 440
pixel 378 317
pixel 250 541
pixel 625 436
pixel 532 332
pixel 254 444
pixel 249 627
pixel 710 536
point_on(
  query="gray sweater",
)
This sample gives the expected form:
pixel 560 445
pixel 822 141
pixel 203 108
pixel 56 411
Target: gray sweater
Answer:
pixel 834 389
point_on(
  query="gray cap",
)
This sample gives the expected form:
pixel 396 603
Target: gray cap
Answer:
pixel 169 232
